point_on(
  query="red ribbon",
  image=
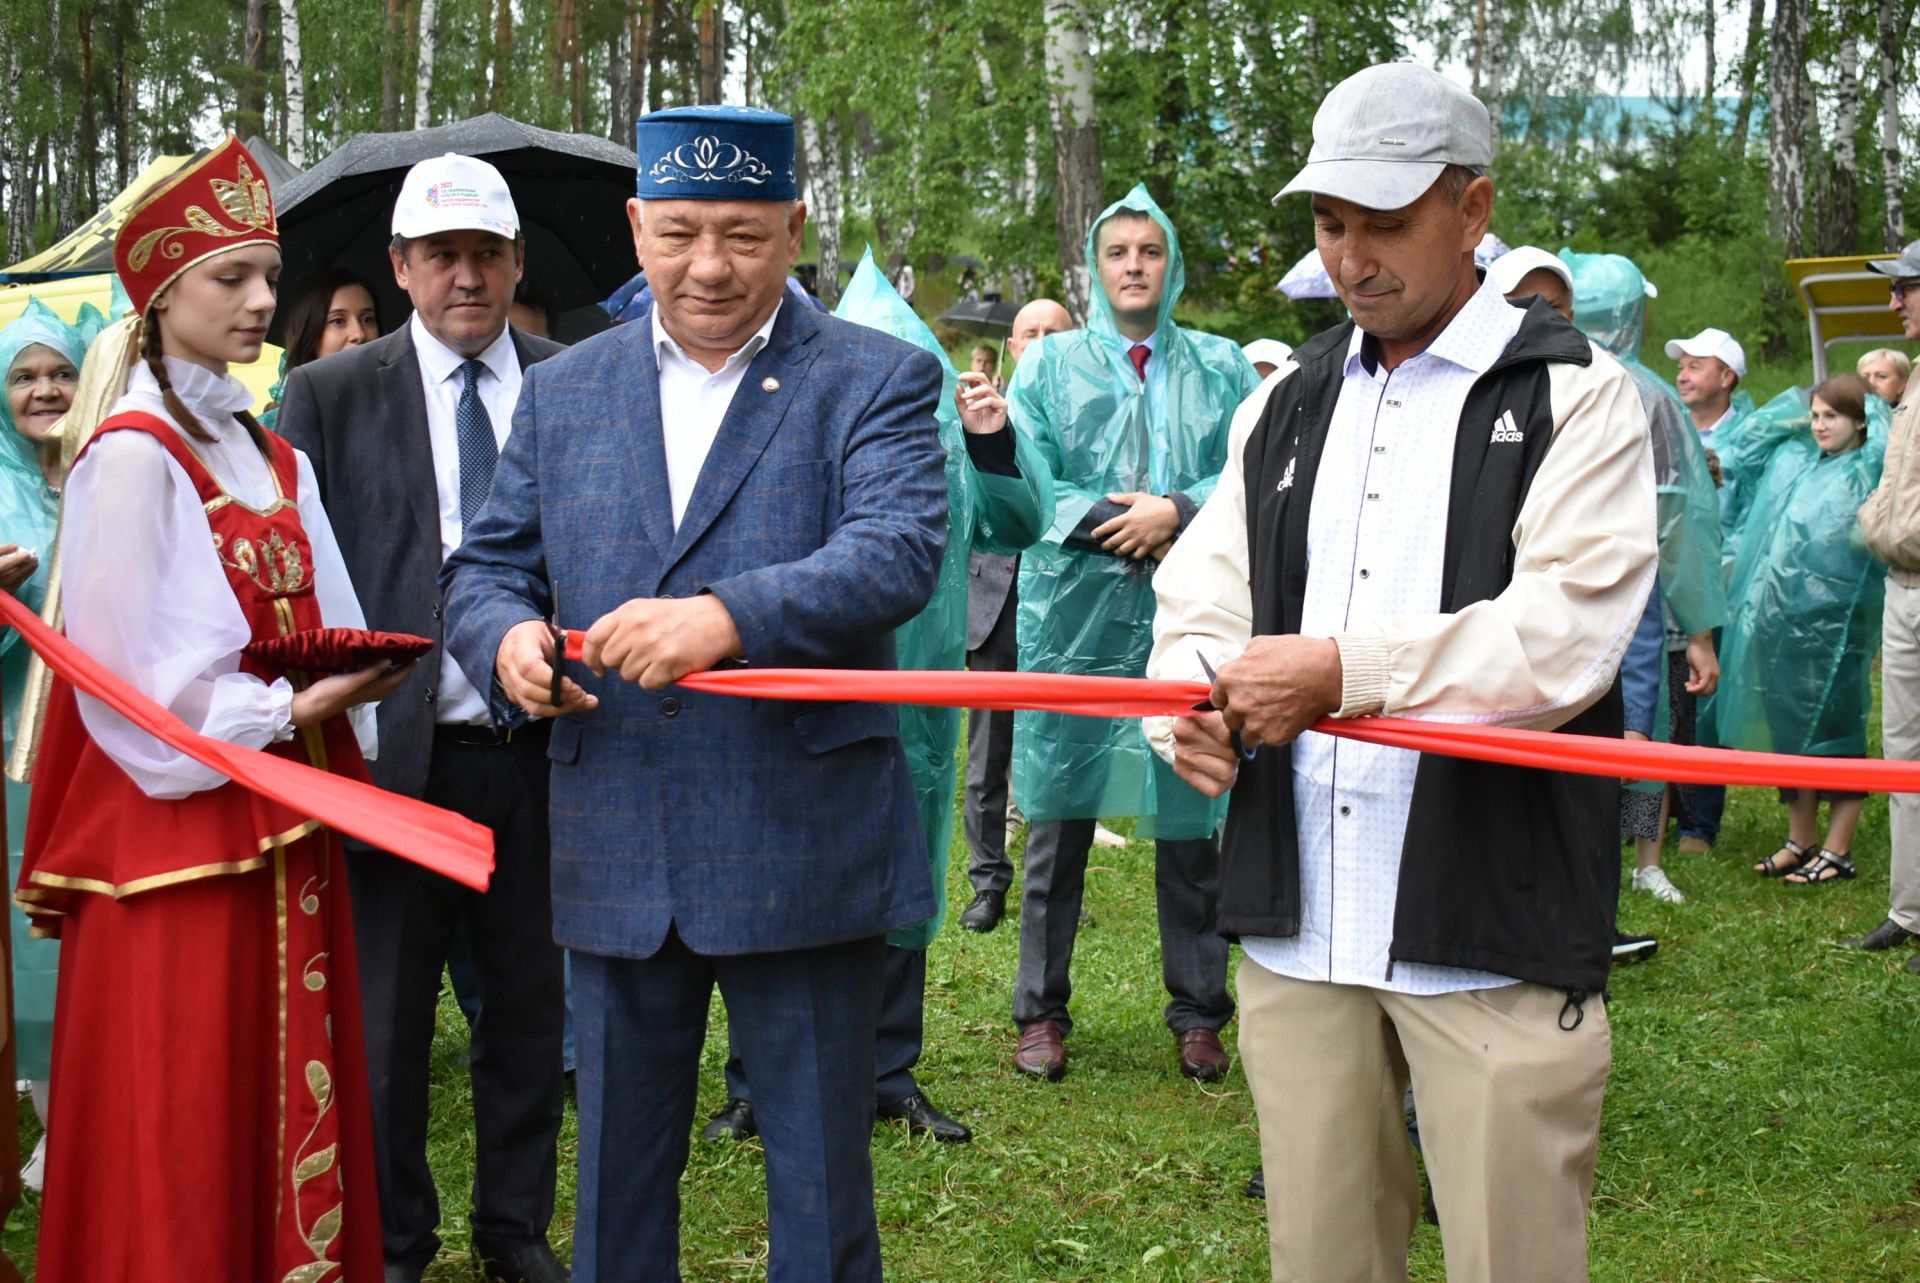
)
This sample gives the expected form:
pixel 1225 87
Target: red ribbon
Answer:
pixel 436 839
pixel 1139 697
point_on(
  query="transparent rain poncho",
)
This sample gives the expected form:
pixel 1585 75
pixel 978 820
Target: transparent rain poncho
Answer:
pixel 1103 431
pixel 1797 661
pixel 1610 307
pixel 985 511
pixel 29 517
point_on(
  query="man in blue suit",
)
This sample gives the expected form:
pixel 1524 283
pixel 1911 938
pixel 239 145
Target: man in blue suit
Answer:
pixel 730 478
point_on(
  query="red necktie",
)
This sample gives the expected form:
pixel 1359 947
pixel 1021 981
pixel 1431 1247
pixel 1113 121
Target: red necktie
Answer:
pixel 1138 354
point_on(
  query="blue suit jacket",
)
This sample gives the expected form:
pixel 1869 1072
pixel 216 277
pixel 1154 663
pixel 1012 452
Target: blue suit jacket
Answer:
pixel 819 519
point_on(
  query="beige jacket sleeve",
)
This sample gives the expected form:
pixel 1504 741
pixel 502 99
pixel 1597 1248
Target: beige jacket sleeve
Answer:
pixel 1535 656
pixel 1890 518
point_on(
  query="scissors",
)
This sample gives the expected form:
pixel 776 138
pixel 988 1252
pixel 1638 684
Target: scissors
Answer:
pixel 1207 706
pixel 559 636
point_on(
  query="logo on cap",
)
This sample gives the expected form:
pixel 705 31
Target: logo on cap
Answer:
pixel 707 159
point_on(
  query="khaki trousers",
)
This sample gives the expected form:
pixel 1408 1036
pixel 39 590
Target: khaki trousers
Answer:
pixel 1900 738
pixel 1509 1106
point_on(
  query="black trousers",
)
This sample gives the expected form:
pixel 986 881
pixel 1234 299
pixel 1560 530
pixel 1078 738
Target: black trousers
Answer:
pixel 989 754
pixel 405 919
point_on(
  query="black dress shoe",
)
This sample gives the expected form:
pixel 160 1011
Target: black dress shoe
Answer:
pixel 533 1263
pixel 733 1122
pixel 1257 1185
pixel 984 914
pixel 1885 936
pixel 923 1119
pixel 1913 964
pixel 398 1273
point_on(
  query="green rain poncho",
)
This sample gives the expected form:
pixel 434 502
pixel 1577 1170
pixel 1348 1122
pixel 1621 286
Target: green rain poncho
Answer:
pixel 1102 431
pixel 1796 667
pixel 985 511
pixel 1610 307
pixel 29 516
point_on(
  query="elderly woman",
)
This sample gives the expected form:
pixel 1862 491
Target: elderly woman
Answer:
pixel 41 355
pixel 1886 371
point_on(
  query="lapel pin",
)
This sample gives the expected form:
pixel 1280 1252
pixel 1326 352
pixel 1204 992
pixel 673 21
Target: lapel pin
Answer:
pixel 769 384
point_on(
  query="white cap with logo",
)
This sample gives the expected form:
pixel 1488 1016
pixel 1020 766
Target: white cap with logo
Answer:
pixel 1711 342
pixel 1383 135
pixel 454 193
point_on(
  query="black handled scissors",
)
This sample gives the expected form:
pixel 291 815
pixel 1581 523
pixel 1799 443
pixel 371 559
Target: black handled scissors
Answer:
pixel 1207 706
pixel 559 636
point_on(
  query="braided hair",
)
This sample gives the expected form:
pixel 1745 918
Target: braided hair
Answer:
pixel 150 348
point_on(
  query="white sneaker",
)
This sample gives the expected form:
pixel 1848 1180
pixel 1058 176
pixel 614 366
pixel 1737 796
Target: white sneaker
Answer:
pixel 34 1174
pixel 1104 836
pixel 1654 881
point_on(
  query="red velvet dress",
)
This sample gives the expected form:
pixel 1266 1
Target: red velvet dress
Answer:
pixel 209 1120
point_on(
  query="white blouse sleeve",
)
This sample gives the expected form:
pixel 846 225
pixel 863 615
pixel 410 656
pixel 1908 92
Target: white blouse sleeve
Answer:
pixel 333 588
pixel 146 596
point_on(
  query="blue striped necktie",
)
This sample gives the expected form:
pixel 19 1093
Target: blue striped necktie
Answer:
pixel 478 451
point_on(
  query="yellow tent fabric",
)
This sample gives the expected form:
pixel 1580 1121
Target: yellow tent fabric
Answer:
pixel 89 247
pixel 66 295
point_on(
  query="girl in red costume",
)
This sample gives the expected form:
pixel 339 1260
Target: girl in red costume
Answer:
pixel 209 1119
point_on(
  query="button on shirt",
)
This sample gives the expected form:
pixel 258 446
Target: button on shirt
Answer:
pixel 456 702
pixel 693 401
pixel 1376 546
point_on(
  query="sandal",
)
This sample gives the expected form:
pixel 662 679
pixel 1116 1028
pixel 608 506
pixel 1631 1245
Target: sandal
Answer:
pixel 1771 866
pixel 1825 866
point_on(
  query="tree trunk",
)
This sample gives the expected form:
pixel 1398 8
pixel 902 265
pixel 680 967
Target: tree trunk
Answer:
pixel 65 158
pixel 423 73
pixel 497 93
pixel 89 119
pixel 1749 73
pixel 713 39
pixel 1706 98
pixel 1479 45
pixel 1894 226
pixel 124 33
pixel 821 141
pixel 1787 161
pixel 1076 146
pixel 390 66
pixel 1494 89
pixel 1840 224
pixel 642 24
pixel 619 60
pixel 576 73
pixel 250 112
pixel 656 83
pixel 295 77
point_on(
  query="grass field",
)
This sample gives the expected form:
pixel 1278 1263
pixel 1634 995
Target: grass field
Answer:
pixel 1760 1122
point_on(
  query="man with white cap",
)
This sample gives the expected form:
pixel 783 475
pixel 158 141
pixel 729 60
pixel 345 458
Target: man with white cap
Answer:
pixel 1444 509
pixel 1712 363
pixel 1890 524
pixel 403 433
pixel 1531 272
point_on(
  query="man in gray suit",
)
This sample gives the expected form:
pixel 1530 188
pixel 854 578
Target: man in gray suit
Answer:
pixel 403 433
pixel 992 648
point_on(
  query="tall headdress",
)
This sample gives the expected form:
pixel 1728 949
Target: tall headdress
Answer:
pixel 218 202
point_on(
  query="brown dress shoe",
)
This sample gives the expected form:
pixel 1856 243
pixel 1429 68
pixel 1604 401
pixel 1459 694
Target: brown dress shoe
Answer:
pixel 1042 1053
pixel 1201 1055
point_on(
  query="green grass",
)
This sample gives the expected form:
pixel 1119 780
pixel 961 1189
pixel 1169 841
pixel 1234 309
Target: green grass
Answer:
pixel 1759 1122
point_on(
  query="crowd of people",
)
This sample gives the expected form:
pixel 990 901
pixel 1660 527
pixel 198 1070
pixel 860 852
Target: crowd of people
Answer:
pixel 1470 501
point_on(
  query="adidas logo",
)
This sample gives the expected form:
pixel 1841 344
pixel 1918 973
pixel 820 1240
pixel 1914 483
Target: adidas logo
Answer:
pixel 1505 430
pixel 1286 478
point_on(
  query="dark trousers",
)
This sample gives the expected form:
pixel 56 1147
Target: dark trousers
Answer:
pixel 899 1036
pixel 806 1014
pixel 1193 956
pixel 989 754
pixel 405 919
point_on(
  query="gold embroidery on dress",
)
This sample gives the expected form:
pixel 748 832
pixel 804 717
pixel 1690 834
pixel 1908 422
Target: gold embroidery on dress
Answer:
pixel 320 1237
pixel 315 974
pixel 274 566
pixel 244 201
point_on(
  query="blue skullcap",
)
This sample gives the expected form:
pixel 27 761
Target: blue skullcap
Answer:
pixel 715 152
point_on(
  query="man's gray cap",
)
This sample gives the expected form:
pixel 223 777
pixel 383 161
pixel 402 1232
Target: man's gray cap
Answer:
pixel 1908 264
pixel 1384 134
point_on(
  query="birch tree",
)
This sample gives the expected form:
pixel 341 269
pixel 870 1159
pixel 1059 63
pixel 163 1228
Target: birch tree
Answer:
pixel 1893 228
pixel 296 85
pixel 423 75
pixel 1749 75
pixel 1840 212
pixel 1787 161
pixel 1076 146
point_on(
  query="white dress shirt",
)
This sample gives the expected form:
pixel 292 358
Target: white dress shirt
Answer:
pixel 1707 433
pixel 457 703
pixel 1376 545
pixel 145 594
pixel 693 401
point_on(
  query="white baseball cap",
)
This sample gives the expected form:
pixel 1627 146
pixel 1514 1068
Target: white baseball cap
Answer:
pixel 1714 343
pixel 453 193
pixel 1272 351
pixel 1506 272
pixel 1384 134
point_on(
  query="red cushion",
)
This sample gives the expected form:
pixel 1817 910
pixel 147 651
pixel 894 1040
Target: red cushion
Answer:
pixel 337 650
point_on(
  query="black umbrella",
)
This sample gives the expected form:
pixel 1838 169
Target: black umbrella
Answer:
pixel 990 317
pixel 570 191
